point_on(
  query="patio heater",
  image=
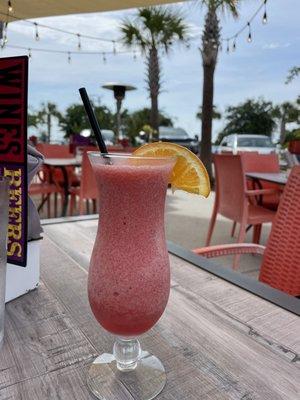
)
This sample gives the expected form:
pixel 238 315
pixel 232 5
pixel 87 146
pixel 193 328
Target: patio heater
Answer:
pixel 119 90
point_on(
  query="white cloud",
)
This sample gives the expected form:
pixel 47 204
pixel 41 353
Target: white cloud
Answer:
pixel 275 45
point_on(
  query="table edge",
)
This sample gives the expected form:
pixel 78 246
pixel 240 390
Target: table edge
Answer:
pixel 243 281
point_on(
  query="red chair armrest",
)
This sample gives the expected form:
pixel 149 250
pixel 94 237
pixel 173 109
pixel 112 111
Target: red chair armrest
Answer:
pixel 262 192
pixel 230 249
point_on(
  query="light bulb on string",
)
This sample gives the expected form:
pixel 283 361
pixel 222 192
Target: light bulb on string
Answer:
pixel 79 42
pixel 234 45
pixel 69 58
pixel 227 49
pixel 29 53
pixel 104 58
pixel 134 55
pixel 114 48
pixel 36 36
pixel 265 18
pixel 10 7
pixel 249 39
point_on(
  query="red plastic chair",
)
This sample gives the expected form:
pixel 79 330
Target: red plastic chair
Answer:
pixel 59 151
pixel 88 188
pixel 54 150
pixel 44 186
pixel 254 162
pixel 280 266
pixel 234 201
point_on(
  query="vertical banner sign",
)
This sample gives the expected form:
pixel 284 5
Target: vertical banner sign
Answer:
pixel 13 151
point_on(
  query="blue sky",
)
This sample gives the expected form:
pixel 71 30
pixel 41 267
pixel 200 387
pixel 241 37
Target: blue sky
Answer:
pixel 254 70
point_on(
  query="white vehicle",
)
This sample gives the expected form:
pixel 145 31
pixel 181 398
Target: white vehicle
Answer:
pixel 108 136
pixel 235 143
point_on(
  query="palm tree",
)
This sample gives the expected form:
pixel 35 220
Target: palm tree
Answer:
pixel 209 51
pixel 45 115
pixel 153 30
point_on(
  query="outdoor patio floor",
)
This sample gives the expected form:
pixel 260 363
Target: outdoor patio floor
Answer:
pixel 187 220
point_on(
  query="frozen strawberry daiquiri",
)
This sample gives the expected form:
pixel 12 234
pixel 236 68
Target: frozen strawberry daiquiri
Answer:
pixel 129 276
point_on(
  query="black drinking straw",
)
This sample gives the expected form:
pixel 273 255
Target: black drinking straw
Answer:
pixel 93 120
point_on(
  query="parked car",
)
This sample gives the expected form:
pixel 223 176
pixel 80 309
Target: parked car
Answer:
pixel 108 137
pixel 179 136
pixel 244 142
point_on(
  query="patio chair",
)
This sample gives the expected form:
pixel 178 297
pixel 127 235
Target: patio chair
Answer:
pixel 54 150
pixel 88 188
pixel 255 162
pixel 59 151
pixel 45 186
pixel 233 199
pixel 280 266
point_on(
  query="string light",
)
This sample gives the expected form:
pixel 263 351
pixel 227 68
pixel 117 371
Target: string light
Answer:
pixel 17 18
pixel 234 44
pixel 265 18
pixel 36 36
pixel 79 41
pixel 247 26
pixel 249 39
pixel 134 55
pixel 228 40
pixel 54 51
pixel 29 53
pixel 9 7
pixel 69 58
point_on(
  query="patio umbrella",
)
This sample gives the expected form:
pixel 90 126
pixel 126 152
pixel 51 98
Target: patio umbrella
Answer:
pixel 26 9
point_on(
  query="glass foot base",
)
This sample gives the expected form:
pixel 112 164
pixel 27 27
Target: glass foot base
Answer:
pixel 145 382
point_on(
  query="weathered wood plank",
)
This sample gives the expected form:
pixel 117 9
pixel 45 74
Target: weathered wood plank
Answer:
pixel 198 341
pixel 261 316
pixel 211 341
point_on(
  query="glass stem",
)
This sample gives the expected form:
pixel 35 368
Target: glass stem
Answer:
pixel 127 352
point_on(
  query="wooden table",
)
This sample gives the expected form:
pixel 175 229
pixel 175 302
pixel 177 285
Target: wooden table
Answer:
pixel 217 341
pixel 62 164
pixel 280 178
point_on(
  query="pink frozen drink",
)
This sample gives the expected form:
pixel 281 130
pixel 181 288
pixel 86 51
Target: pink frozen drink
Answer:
pixel 129 276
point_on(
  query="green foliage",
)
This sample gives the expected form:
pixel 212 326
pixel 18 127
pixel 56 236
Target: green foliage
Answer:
pixel 216 114
pixel 294 135
pixel 32 120
pixel 154 27
pixel 252 116
pixel 75 119
pixel 293 73
pixel 135 121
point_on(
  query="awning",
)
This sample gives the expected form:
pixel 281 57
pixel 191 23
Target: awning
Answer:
pixel 26 9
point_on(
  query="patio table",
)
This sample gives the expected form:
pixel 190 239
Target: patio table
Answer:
pixel 280 178
pixel 62 164
pixel 216 340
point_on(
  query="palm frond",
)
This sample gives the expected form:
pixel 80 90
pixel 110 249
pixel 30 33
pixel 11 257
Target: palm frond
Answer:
pixel 154 27
pixel 230 6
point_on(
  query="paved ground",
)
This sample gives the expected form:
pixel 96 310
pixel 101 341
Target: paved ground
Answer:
pixel 187 219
